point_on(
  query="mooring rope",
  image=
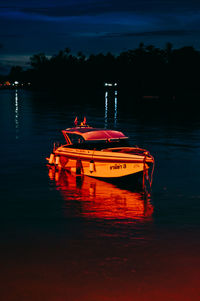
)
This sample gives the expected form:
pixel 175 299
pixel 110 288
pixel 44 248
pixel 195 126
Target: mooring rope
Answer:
pixel 145 172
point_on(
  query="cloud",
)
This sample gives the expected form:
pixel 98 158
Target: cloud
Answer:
pixel 14 59
pixel 4 69
pixel 147 34
pixel 10 35
pixel 48 25
pixel 7 61
pixel 99 7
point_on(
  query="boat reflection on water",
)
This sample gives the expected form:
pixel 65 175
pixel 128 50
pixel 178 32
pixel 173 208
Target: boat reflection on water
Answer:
pixel 100 200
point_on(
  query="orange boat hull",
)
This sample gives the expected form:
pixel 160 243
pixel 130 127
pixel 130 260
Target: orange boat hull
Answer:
pixel 100 164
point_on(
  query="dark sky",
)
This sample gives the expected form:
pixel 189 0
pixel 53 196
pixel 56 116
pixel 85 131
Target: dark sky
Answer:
pixel 92 26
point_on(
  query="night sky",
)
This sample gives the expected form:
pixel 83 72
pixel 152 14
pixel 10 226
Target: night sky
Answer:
pixel 92 26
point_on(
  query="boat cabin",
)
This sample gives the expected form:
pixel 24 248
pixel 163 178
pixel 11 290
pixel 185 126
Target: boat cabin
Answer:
pixel 93 138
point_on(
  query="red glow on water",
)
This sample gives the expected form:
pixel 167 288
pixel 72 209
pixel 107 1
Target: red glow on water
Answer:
pixel 77 259
pixel 100 199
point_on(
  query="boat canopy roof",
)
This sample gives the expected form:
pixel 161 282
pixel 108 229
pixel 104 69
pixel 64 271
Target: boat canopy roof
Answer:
pixel 89 133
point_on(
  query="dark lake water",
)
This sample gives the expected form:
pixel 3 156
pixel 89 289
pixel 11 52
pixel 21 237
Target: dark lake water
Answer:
pixel 62 239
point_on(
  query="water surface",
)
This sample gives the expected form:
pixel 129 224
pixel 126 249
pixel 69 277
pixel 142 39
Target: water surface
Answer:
pixel 66 238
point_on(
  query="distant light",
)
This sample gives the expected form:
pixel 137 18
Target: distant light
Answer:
pixel 16 82
pixel 110 84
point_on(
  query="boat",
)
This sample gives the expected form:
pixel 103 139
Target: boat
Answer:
pixel 101 153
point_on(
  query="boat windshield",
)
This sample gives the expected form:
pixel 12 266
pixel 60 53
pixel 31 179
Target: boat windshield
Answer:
pixel 76 139
pixel 100 144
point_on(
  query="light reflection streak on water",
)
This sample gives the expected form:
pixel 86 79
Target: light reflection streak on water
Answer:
pixel 111 107
pixel 101 200
pixel 115 116
pixel 16 115
pixel 106 109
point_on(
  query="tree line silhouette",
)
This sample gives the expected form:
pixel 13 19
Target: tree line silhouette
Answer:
pixel 142 72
